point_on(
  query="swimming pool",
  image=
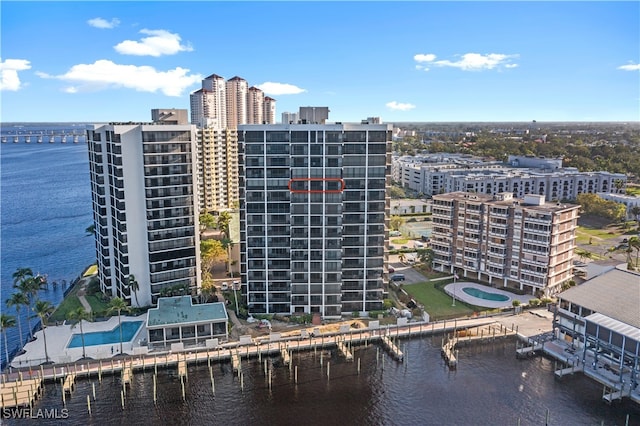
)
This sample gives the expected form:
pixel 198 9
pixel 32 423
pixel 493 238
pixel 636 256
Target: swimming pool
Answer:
pixel 129 329
pixel 485 295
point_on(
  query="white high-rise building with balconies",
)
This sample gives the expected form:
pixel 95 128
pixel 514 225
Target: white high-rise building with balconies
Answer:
pixel 145 209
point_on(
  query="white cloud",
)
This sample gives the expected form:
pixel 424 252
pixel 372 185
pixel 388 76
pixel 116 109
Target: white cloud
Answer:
pixel 103 23
pixel 470 61
pixel 630 67
pixel 9 79
pixel 422 57
pixel 272 88
pixel 159 42
pixel 421 68
pixel 397 106
pixel 104 74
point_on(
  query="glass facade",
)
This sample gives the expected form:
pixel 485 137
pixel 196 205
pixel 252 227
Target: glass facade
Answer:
pixel 313 212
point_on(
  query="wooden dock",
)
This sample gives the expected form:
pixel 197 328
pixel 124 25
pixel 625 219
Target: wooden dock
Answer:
pixel 182 368
pixel 230 352
pixel 69 383
pixel 21 393
pixel 395 351
pixel 468 335
pixel 342 349
pixel 286 357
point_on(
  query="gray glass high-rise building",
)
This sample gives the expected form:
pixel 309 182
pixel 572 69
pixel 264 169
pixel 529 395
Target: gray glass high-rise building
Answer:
pixel 314 216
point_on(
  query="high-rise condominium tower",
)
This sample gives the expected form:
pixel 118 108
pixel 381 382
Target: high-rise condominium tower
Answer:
pixel 313 213
pixel 237 91
pixel 217 158
pixel 209 104
pixel 145 208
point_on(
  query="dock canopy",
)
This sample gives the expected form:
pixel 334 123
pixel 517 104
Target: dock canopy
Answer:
pixel 178 320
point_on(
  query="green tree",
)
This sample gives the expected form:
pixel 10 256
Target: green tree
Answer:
pixel 396 222
pixel 6 321
pixel 17 300
pixel 635 211
pixel 634 243
pixel 118 305
pixel 207 221
pixel 43 309
pixel 134 286
pixel 426 257
pixel 90 230
pixel 79 315
pixel 224 219
pixel 210 250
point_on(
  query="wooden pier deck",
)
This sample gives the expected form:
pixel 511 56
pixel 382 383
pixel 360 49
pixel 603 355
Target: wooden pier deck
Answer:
pixel 21 393
pixel 468 335
pixel 228 352
pixel 69 383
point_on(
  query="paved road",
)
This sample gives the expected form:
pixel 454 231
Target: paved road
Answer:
pixel 411 275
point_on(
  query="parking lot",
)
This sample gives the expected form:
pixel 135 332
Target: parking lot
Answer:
pixel 411 276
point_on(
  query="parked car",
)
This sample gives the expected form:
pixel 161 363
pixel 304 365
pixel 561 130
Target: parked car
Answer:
pixel 391 269
pixel 395 233
pixel 397 277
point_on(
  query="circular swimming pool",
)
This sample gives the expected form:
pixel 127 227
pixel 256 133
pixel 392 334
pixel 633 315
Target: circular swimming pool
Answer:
pixel 485 295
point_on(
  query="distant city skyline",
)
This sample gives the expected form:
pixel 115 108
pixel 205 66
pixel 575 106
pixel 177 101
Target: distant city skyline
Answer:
pixel 401 61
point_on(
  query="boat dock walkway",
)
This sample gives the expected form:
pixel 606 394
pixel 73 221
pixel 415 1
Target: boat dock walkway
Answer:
pixel 485 333
pixel 234 352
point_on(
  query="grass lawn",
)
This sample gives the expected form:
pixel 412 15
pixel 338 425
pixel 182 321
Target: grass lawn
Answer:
pixel 98 307
pixel 437 303
pixel 70 303
pixel 400 241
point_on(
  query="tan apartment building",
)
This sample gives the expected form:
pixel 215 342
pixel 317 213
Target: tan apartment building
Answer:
pixel 217 159
pixel 525 244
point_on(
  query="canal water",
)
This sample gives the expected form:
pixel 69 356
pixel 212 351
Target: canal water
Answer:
pixel 489 387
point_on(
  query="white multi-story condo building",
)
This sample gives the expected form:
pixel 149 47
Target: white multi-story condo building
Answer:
pixel 217 159
pixel 543 177
pixel 313 217
pixel 145 208
pixel 525 244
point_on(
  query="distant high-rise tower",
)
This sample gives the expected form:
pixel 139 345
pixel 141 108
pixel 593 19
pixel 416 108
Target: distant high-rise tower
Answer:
pixel 313 115
pixel 289 118
pixel 255 106
pixel 313 210
pixel 145 208
pixel 269 110
pixel 209 104
pixel 237 90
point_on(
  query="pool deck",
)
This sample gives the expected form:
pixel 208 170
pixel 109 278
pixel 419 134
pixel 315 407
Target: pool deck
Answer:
pixel 58 337
pixel 455 290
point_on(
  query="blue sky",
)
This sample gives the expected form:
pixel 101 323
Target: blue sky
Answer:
pixel 410 61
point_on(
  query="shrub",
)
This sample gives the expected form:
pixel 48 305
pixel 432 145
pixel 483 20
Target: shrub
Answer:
pixel 355 314
pixel 534 302
pixel 387 304
pixel 515 303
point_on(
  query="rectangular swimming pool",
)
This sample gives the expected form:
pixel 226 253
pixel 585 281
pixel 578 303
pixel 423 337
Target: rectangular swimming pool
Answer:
pixel 129 330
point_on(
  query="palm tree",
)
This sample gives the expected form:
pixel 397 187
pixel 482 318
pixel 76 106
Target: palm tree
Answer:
pixel 43 309
pixel 79 315
pixel 119 305
pixel 635 211
pixel 6 321
pixel 224 218
pixel 17 300
pixel 634 242
pixel 133 285
pixel 21 274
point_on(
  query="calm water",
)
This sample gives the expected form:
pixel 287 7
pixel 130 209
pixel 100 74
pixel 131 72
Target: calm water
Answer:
pixel 46 206
pixel 490 387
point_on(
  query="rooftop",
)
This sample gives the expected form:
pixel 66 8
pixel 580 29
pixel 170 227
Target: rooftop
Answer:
pixel 615 293
pixel 181 310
